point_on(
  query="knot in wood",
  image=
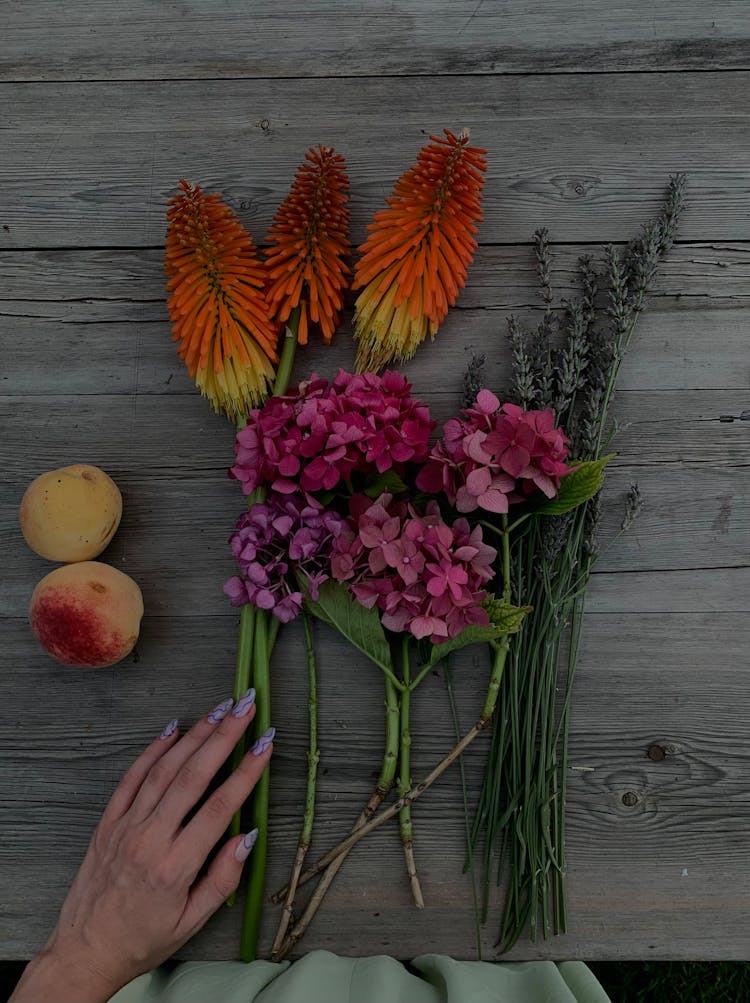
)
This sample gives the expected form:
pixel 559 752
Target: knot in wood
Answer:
pixel 630 799
pixel 656 753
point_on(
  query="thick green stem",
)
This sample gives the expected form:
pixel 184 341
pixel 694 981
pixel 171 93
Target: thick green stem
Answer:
pixel 259 814
pixel 288 351
pixel 241 685
pixel 500 647
pixel 404 778
pixel 274 626
pixel 333 863
pixel 313 757
pixel 390 754
pixel 246 640
pixel 313 753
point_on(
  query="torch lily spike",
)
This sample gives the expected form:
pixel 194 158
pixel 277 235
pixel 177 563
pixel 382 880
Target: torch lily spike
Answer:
pixel 219 313
pixel 309 241
pixel 415 260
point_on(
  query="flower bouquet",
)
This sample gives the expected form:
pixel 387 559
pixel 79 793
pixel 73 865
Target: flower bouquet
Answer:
pixel 411 550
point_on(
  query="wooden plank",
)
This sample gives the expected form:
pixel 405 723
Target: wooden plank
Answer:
pixel 663 427
pixel 694 591
pixel 655 427
pixel 91 164
pixel 629 861
pixel 96 321
pixel 172 539
pixel 343 38
pixel 501 277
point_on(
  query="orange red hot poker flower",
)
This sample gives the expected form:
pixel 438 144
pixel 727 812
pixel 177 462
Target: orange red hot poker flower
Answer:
pixel 414 262
pixel 308 241
pixel 219 314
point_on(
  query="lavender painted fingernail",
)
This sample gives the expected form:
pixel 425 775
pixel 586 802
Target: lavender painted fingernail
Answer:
pixel 220 712
pixel 244 703
pixel 243 849
pixel 169 730
pixel 263 742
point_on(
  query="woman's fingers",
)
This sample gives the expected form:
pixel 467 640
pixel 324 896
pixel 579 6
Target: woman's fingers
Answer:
pixel 164 773
pixel 204 831
pixel 215 887
pixel 196 773
pixel 128 788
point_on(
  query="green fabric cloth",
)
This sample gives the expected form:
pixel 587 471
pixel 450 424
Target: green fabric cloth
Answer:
pixel 321 977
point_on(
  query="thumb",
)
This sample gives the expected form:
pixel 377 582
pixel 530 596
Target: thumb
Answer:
pixel 218 883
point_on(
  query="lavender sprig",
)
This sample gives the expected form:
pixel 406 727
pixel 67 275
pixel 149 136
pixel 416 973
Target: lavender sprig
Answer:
pixel 525 390
pixel 573 366
pixel 544 267
pixel 473 378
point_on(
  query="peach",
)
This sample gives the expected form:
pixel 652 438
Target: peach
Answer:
pixel 87 614
pixel 70 514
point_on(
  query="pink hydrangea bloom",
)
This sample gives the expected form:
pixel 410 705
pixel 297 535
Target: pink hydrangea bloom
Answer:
pixel 317 436
pixel 426 577
pixel 495 456
pixel 275 538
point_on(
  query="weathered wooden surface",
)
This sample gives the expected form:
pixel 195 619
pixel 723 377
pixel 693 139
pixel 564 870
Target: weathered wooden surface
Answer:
pixel 584 154
pixel 272 38
pixel 579 141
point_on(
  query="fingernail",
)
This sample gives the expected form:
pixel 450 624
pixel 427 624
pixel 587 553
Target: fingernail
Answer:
pixel 220 712
pixel 244 703
pixel 263 742
pixel 243 849
pixel 169 730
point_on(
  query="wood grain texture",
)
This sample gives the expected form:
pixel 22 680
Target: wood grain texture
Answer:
pixel 272 39
pixel 624 861
pixel 103 110
pixel 173 539
pixel 99 321
pixel 92 164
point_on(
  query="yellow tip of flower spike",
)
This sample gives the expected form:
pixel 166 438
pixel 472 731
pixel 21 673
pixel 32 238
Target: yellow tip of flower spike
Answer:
pixel 415 260
pixel 219 314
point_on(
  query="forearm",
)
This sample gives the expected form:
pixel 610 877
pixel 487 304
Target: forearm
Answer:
pixel 48 976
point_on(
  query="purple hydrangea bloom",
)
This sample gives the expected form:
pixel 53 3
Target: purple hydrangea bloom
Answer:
pixel 273 540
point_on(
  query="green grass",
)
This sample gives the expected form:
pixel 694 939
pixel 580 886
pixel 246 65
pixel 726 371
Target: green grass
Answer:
pixel 674 981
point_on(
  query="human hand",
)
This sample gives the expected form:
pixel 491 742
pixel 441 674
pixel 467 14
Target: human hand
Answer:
pixel 135 899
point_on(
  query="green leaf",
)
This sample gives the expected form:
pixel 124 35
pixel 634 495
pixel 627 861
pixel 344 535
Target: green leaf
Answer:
pixel 469 635
pixel 506 618
pixel 325 497
pixel 336 606
pixel 388 481
pixel 577 487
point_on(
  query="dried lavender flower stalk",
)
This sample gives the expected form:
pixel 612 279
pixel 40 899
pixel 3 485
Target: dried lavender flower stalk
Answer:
pixel 590 284
pixel 544 267
pixel 473 378
pixel 522 366
pixel 633 506
pixel 572 360
pixel 521 812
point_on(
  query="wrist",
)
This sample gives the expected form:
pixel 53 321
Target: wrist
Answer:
pixel 64 978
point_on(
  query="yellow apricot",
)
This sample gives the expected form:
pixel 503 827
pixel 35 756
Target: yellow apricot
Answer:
pixel 70 514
